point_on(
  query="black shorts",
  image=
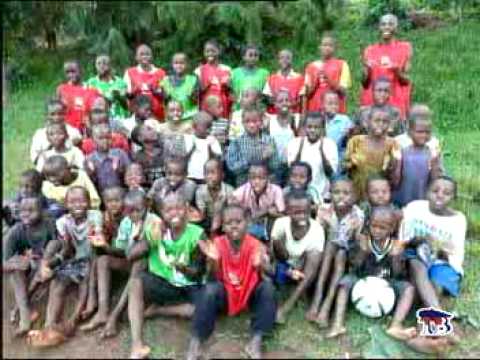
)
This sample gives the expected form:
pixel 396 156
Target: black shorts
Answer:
pixel 160 291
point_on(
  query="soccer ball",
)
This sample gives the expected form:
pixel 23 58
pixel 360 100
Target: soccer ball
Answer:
pixel 373 297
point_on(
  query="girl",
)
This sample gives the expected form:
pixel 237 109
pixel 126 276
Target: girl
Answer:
pixel 135 177
pixel 175 124
pixel 328 73
pixel 285 79
pixel 214 78
pixel 220 126
pixel 391 59
pixel 145 79
pixel 248 75
pixel 375 153
pixel 181 87
pixel 110 86
pixel 299 179
pixel 237 260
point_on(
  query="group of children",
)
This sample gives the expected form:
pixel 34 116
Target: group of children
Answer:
pixel 224 186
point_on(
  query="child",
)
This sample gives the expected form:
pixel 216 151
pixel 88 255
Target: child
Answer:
pixel 318 151
pixel 220 126
pixel 419 163
pixel 299 179
pixel 379 193
pixel 211 197
pixel 343 221
pixel 238 260
pixel 77 230
pixel 111 87
pixel 214 78
pixel 382 90
pixel 377 254
pixel 252 146
pixel 175 123
pixel 59 178
pixel 99 114
pixel 135 177
pixel 175 270
pixel 328 73
pixel 145 79
pixel 150 155
pixel 250 98
pixel 248 75
pixel 175 181
pixel 142 114
pixel 106 166
pixel 297 242
pixel 57 137
pixel 261 198
pixel 75 96
pixel 337 126
pixel 181 87
pixel 55 114
pixel 285 79
pixel 375 153
pixel 30 242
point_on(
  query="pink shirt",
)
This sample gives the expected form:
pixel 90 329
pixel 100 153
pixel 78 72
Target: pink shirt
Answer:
pixel 272 195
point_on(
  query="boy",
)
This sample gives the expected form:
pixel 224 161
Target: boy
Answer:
pixel 220 125
pixel 150 155
pixel 297 242
pixel 252 146
pixel 142 114
pixel 250 97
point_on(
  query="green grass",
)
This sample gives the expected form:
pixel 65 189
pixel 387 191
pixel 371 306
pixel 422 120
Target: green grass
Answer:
pixel 446 77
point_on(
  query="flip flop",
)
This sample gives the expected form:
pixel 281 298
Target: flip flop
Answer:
pixel 44 338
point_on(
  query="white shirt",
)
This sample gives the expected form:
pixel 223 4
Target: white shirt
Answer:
pixel 404 140
pixel 73 155
pixel 449 231
pixel 200 155
pixel 314 239
pixel 311 155
pixel 40 142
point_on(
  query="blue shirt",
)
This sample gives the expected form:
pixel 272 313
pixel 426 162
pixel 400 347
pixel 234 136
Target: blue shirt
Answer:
pixel 337 130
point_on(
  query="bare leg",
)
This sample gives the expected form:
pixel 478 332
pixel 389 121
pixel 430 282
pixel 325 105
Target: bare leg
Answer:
pixel 194 349
pixel 396 330
pixel 135 314
pixel 71 324
pixel 181 310
pixel 428 345
pixel 338 327
pixel 55 302
pixel 92 300
pixel 19 284
pixel 340 260
pixel 322 278
pixel 425 288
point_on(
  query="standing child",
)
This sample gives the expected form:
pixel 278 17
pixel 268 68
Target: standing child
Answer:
pixel 327 73
pixel 237 259
pixel 214 78
pixel 111 87
pixel 378 254
pixel 142 114
pixel 297 242
pixel 150 155
pixel 145 79
pixel 248 75
pixel 249 98
pixel 106 166
pixel 285 79
pixel 250 147
pixel 220 126
pixel 318 151
pixel 75 96
pixel 375 153
pixel 175 124
pixel 135 177
pixel 181 87
pixel 299 179
pixel 343 221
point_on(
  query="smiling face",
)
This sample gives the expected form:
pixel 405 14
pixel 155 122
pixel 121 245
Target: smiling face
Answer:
pixel 113 200
pixel 381 92
pixel 143 55
pixel 135 208
pixel 388 26
pixel 378 123
pixel 343 195
pixel 213 174
pixel 134 176
pixel 57 135
pixel 282 102
pixel 211 53
pixel 299 211
pixel 179 63
pixel 313 128
pixel 57 174
pixel 284 59
pixel 258 178
pixel 174 173
pixel 72 72
pixel 382 224
pixel 327 47
pixel 55 113
pixel 252 122
pixel 379 192
pixel 440 193
pixel 234 223
pixel 102 65
pixel 77 203
pixel 331 103
pixel 250 57
pixel 174 211
pixel 420 132
pixel 30 211
pixel 248 98
pixel 298 177
pixel 174 112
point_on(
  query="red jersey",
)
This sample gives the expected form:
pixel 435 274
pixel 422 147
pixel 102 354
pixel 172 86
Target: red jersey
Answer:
pixel 383 56
pixel 118 141
pixel 293 83
pixel 77 100
pixel 217 78
pixel 140 81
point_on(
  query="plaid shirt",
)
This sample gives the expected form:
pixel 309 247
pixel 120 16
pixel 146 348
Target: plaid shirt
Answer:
pixel 219 129
pixel 246 149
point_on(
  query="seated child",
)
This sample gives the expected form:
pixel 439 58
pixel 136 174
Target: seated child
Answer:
pixel 318 151
pixel 59 178
pixel 250 98
pixel 150 154
pixel 252 146
pixel 237 260
pixel 377 254
pixel 175 270
pixel 31 241
pixel 55 114
pixel 299 178
pixel 77 230
pixel 297 242
pixel 142 114
pixel 106 165
pixel 419 163
pixel 262 199
pixel 375 153
pixel 211 197
pixel 175 123
pixel 342 221
pixel 57 137
pixel 181 87
pixel 220 125
pixel 135 177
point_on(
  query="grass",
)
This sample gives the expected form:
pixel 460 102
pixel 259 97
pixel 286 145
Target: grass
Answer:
pixel 446 76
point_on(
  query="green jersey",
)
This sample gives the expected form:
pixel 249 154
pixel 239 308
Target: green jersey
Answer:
pixel 106 89
pixel 243 78
pixel 184 91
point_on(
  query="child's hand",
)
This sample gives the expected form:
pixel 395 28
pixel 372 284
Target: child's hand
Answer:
pixel 115 163
pixel 295 274
pixel 325 215
pixel 209 249
pixel 267 151
pixel 97 240
pixel 90 166
pixel 260 257
pixel 272 210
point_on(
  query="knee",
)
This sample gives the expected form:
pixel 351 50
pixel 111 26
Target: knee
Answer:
pixel 266 288
pixel 341 256
pixel 52 247
pixel 103 262
pixel 417 268
pixel 212 290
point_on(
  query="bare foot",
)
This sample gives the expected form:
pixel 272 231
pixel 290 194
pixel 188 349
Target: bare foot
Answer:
pixel 91 307
pixel 68 327
pixel 428 345
pixel 97 321
pixel 322 320
pixel 336 331
pixel 254 347
pixel 194 349
pixel 110 329
pixel 23 328
pixel 280 317
pixel 34 315
pixel 401 333
pixel 311 315
pixel 140 352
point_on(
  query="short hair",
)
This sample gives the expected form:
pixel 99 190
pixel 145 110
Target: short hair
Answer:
pixel 52 101
pixel 216 160
pixel 160 199
pixel 55 162
pixel 392 16
pixel 35 177
pixel 304 164
pixel 177 160
pixel 101 128
pixel 287 51
pixel 134 195
pixel 375 177
pixel 380 80
pixel 142 100
pixel 384 209
pixel 329 35
pixel 376 109
pixel 251 109
pixel 214 43
pixel 315 115
pixel 110 189
pixel 61 125
pixel 180 53
pixel 77 187
pixel 72 61
pixel 419 112
pixel 250 47
pixel 342 178
pixel 445 178
pixel 174 101
pixel 36 198
pixel 259 163
pixel 297 194
pixel 229 207
pixel 212 99
pixel 330 92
